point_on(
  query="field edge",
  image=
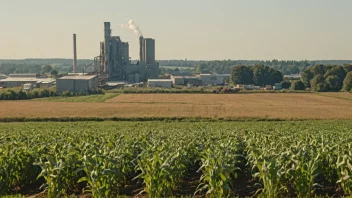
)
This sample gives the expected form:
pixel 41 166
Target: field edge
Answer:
pixel 146 119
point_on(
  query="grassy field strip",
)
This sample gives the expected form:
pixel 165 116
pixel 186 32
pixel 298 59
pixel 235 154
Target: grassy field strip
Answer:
pixel 90 98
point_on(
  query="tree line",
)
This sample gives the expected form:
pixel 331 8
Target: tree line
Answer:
pixel 259 75
pixel 13 68
pixel 285 66
pixel 322 78
pixel 319 78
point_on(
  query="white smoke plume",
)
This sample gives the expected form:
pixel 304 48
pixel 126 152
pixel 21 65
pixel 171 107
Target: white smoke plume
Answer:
pixel 132 26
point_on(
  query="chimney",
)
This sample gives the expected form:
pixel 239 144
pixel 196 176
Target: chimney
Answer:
pixel 141 49
pixel 74 54
pixel 107 40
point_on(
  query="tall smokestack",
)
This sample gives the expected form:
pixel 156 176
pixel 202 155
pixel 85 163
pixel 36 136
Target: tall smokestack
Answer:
pixel 141 49
pixel 107 40
pixel 149 47
pixel 74 54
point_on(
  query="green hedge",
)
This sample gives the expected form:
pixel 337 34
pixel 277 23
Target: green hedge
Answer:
pixel 140 119
pixel 19 94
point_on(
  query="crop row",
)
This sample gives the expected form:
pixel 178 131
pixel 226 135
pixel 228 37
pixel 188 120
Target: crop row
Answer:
pixel 108 159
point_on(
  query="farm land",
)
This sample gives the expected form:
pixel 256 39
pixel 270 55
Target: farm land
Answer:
pixel 289 106
pixel 306 154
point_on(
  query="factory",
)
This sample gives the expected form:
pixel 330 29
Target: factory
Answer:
pixel 37 81
pixel 76 84
pixel 160 83
pixel 201 79
pixel 113 65
pixel 115 62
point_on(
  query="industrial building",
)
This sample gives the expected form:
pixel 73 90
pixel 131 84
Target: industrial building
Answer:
pixel 76 84
pixel 114 63
pixel 200 79
pixel 2 76
pixel 214 79
pixel 37 80
pixel 186 80
pixel 293 77
pixel 162 83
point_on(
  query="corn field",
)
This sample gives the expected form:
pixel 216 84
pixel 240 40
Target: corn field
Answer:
pixel 175 159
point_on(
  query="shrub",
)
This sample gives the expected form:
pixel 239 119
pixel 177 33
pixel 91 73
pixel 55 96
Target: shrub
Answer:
pixel 347 83
pixel 285 84
pixel 67 94
pixel 297 85
pixel 318 83
pixel 82 93
pixel 22 95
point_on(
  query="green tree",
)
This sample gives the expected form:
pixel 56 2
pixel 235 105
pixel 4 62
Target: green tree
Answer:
pixel 297 85
pixel 347 67
pixel 338 71
pixel 319 69
pixel 264 75
pixel 318 84
pixel 35 69
pixel 285 84
pixel 306 76
pixel 334 83
pixel 54 74
pixel 47 68
pixel 242 75
pixel 347 83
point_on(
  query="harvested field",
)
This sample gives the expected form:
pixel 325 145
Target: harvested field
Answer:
pixel 340 95
pixel 283 106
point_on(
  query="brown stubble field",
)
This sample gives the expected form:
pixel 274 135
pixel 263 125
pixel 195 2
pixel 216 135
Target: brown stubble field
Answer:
pixel 232 106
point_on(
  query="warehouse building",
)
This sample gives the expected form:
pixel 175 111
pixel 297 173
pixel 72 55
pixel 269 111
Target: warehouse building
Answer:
pixel 214 79
pixel 2 76
pixel 162 83
pixel 186 80
pixel 11 82
pixel 76 84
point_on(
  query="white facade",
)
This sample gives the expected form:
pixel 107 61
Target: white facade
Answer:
pixel 163 83
pixel 77 84
pixel 214 79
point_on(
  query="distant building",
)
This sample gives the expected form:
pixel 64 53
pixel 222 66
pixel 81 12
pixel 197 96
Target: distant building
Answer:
pixel 214 79
pixel 277 86
pixel 2 76
pixel 293 76
pixel 77 84
pixel 20 81
pixel 185 80
pixel 30 75
pixel 114 60
pixel 162 83
pixel 247 87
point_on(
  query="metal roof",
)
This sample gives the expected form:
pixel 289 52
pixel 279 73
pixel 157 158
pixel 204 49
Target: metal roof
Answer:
pixel 88 77
pixel 215 75
pixel 292 76
pixel 159 80
pixel 185 77
pixel 14 79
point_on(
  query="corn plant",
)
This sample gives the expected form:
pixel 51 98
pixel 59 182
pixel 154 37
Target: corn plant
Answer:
pixel 220 159
pixel 344 169
pixel 58 170
pixel 162 166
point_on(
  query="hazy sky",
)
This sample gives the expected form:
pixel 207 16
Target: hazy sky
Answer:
pixel 192 29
